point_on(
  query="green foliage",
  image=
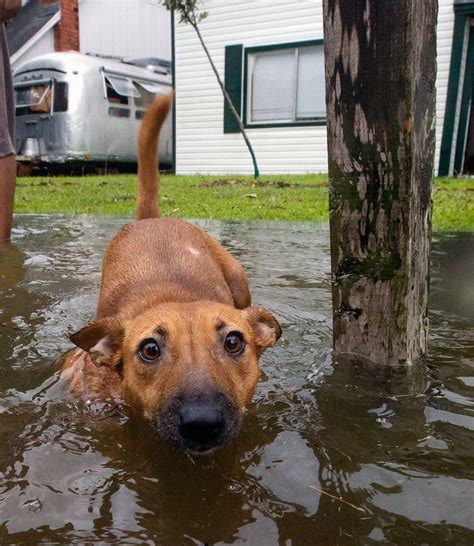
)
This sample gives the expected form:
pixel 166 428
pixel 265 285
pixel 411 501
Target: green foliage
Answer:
pixel 188 10
pixel 283 197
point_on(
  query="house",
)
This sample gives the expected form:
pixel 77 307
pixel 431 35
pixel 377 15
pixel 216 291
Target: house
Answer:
pixel 126 29
pixel 32 31
pixel 270 54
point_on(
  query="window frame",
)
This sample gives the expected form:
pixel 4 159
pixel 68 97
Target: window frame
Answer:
pixel 48 82
pixel 246 92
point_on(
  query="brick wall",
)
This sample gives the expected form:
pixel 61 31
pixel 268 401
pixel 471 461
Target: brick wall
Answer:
pixel 66 33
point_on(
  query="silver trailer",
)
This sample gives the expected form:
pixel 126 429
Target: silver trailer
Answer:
pixel 75 110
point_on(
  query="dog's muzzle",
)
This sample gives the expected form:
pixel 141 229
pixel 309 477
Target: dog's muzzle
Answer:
pixel 198 422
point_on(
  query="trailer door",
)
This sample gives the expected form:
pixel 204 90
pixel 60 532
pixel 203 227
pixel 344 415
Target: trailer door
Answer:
pixel 35 131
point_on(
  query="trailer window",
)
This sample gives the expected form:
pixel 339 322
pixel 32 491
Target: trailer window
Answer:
pixel 117 112
pixel 147 92
pixel 113 96
pixel 60 97
pixel 33 99
pixel 119 90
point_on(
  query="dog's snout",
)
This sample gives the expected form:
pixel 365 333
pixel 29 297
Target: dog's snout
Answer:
pixel 201 424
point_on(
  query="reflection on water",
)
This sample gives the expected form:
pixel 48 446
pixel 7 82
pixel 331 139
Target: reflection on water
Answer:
pixel 331 452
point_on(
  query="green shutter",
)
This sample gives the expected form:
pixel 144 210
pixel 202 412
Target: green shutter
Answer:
pixel 465 104
pixel 233 85
pixel 453 87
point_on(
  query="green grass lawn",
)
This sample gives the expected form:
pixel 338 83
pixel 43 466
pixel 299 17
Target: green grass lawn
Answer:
pixel 284 197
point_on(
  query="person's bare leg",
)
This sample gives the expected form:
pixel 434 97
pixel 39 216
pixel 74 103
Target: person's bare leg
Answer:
pixel 7 194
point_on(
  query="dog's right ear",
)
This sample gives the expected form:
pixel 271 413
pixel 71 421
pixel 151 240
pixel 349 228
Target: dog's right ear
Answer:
pixel 102 339
pixel 266 328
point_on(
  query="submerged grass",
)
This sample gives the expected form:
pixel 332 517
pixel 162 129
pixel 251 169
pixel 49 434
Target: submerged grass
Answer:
pixel 283 197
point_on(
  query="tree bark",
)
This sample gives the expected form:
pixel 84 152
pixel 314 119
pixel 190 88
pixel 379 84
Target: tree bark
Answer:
pixel 380 93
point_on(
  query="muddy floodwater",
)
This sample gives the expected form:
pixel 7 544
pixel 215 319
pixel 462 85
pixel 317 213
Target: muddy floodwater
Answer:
pixel 330 453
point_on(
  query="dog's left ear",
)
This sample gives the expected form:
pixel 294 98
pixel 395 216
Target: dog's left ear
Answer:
pixel 266 329
pixel 102 339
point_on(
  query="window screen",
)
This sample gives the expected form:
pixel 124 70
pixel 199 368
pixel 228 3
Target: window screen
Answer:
pixel 273 82
pixel 286 85
pixel 310 100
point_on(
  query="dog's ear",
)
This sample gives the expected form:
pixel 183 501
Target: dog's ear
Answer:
pixel 102 339
pixel 266 329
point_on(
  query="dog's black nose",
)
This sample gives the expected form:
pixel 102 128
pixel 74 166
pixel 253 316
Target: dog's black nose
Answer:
pixel 201 424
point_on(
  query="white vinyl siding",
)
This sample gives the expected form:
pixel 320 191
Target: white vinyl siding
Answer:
pixel 202 146
pixel 125 28
pixel 444 41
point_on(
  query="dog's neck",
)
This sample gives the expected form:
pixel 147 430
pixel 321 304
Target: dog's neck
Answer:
pixel 142 297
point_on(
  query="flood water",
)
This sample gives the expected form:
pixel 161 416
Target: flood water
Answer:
pixel 330 453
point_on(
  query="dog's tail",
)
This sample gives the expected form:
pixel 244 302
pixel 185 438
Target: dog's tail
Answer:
pixel 148 175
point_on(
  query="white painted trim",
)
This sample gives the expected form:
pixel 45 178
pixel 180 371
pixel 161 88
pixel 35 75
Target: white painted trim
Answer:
pixel 32 41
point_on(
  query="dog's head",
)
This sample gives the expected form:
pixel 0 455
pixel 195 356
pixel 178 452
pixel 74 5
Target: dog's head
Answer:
pixel 191 369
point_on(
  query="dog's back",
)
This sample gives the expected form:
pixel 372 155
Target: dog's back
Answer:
pixel 165 259
pixel 157 260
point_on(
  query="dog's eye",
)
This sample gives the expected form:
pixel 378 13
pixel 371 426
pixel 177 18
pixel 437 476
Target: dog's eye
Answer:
pixel 234 343
pixel 149 350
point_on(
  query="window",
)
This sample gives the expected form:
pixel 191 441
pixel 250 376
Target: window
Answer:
pixel 272 87
pixel 36 97
pixel 147 93
pixel 117 112
pixel 60 97
pixel 119 90
pixel 311 89
pixel 275 86
pixel 113 96
pixel 285 85
pixel 122 86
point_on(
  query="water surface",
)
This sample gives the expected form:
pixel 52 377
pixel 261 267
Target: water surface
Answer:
pixel 331 452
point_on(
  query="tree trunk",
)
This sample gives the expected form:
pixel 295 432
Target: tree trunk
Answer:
pixel 380 92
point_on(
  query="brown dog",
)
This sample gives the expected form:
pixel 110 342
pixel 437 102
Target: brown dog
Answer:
pixel 174 336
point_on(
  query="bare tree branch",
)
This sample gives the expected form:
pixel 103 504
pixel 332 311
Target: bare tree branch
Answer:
pixel 188 12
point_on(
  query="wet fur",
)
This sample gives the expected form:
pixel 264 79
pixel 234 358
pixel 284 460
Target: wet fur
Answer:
pixel 165 275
